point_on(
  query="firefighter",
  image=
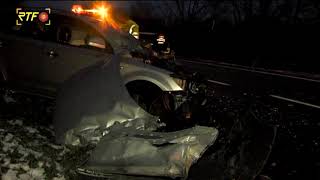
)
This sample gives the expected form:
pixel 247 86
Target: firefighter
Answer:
pixel 161 44
pixel 131 27
pixel 126 24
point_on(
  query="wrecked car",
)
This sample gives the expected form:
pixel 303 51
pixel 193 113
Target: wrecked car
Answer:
pixel 90 112
pixel 106 97
pixel 88 66
pixel 46 56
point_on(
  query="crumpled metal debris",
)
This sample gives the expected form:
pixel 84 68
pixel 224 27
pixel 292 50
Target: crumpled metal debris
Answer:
pixel 126 150
pixel 93 100
pixel 94 106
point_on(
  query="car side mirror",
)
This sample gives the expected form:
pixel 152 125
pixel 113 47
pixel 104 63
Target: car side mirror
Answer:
pixel 96 41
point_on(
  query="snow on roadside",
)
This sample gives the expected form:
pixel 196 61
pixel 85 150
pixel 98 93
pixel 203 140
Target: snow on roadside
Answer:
pixel 29 152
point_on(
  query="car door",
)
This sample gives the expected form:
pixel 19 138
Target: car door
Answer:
pixel 70 50
pixel 21 53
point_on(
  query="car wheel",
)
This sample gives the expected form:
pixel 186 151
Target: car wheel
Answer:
pixel 148 96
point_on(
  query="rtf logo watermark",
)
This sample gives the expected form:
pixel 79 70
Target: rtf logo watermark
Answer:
pixel 29 16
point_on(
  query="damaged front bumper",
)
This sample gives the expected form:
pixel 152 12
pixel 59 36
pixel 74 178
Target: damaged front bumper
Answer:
pixel 94 107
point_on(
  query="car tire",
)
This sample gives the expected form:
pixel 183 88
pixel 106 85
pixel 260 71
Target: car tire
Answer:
pixel 148 96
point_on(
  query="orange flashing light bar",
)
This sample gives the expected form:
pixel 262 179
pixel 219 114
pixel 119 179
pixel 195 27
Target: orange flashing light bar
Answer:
pixel 77 9
pixel 101 11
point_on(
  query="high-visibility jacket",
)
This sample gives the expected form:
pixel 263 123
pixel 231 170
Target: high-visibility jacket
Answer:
pixel 131 27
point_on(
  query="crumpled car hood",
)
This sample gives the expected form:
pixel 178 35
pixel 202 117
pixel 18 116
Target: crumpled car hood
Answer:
pixel 94 107
pixel 138 152
pixel 93 100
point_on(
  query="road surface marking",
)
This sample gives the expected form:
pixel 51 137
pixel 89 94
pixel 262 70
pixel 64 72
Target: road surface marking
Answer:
pixel 218 82
pixel 255 71
pixel 295 101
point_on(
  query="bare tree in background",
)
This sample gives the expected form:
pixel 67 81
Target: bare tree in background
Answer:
pixel 141 9
pixel 289 11
pixel 182 11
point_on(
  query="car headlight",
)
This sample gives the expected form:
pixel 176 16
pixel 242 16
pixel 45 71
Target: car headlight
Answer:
pixel 182 83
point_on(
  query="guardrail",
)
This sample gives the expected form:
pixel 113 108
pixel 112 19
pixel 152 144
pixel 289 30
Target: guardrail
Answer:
pixel 282 73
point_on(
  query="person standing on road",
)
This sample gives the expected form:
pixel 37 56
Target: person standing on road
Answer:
pixel 126 24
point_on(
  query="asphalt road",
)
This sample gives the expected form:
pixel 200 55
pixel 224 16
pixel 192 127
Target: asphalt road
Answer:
pixel 296 151
pixel 292 88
